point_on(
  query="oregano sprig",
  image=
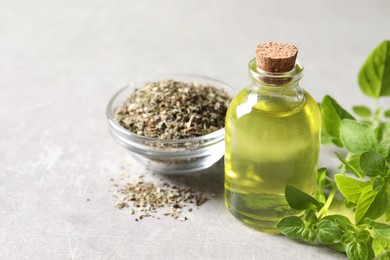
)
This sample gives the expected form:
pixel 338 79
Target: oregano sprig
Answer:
pixel 364 179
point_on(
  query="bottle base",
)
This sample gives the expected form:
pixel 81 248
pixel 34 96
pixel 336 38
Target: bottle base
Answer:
pixel 261 225
pixel 259 211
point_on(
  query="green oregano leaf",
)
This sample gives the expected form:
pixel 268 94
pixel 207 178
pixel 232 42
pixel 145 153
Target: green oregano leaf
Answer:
pixel 338 217
pixel 374 76
pixel 357 250
pixel 325 137
pixel 377 247
pixel 341 222
pixel 309 234
pixel 362 111
pixel 350 188
pixel 328 232
pixel 380 231
pixel 294 227
pixel 371 204
pixel 291 226
pixel 357 137
pixel 298 199
pixel 350 167
pixel 379 184
pixel 373 164
pixel 348 237
pixel 332 114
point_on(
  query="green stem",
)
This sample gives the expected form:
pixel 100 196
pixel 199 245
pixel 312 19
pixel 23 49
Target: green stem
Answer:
pixel 328 202
pixel 343 166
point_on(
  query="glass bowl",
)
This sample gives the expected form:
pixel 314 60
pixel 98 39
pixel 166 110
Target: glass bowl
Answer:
pixel 169 156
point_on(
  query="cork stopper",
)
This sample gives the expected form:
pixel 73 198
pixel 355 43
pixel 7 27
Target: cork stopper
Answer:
pixel 276 57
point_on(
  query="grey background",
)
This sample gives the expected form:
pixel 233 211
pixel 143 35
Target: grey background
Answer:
pixel 61 61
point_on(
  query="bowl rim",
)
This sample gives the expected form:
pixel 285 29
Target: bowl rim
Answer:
pixel 131 135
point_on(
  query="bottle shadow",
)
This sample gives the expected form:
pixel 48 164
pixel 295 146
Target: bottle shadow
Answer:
pixel 210 181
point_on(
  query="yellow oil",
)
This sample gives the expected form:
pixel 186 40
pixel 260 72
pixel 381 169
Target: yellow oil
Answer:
pixel 271 141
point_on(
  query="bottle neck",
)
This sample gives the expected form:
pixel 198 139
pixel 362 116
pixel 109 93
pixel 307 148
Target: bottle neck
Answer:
pixel 281 89
pixel 279 80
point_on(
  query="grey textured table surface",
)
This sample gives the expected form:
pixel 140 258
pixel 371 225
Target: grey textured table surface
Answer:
pixel 60 62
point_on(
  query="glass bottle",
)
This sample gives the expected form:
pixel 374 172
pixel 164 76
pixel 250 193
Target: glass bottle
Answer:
pixel 272 139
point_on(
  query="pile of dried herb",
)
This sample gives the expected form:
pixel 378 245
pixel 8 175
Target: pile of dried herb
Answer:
pixel 170 109
pixel 147 199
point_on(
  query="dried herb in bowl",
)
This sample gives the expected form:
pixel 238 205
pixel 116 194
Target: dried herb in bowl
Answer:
pixel 170 109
